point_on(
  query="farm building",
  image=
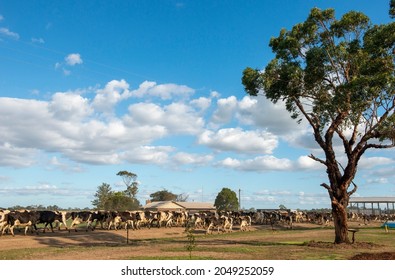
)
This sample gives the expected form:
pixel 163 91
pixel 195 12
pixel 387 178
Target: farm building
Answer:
pixel 373 205
pixel 191 207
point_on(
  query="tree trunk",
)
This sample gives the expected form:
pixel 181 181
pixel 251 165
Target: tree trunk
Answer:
pixel 339 213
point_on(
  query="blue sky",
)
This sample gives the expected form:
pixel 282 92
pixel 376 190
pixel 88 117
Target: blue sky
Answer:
pixel 89 88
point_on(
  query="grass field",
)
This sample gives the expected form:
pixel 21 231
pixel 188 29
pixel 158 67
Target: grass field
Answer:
pixel 310 242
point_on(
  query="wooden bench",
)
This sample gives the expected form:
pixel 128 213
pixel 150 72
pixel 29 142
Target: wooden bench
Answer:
pixel 353 233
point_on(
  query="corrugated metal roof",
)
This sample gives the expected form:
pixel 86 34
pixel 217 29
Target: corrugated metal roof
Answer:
pixel 383 199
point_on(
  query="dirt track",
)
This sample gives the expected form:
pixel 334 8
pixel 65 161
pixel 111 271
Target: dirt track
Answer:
pixel 169 242
pixel 64 239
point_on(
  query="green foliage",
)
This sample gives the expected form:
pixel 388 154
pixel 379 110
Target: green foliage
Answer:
pixel 102 196
pixel 338 75
pixel 130 182
pixel 163 195
pixel 392 9
pixel 106 199
pixel 119 201
pixel 336 66
pixel 226 200
pixel 191 243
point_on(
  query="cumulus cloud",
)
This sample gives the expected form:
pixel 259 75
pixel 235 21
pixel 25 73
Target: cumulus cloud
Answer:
pixel 191 159
pixel 110 95
pixel 202 103
pixel 306 163
pixel 239 140
pixel 72 125
pixel 371 162
pixel 16 156
pixel 226 108
pixel 73 59
pixel 148 155
pixel 258 164
pixel 162 91
pixel 69 61
pixel 69 106
pixel 175 118
pixel 263 113
pixel 82 128
pixel 8 33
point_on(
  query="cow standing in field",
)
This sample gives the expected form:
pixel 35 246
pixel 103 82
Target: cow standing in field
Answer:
pixel 99 217
pixel 245 223
pixel 128 218
pixel 28 219
pixel 113 219
pixel 81 217
pixel 213 221
pixel 3 220
pixel 48 218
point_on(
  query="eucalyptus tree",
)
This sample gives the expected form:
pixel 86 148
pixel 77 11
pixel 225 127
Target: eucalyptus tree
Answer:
pixel 338 74
pixel 129 179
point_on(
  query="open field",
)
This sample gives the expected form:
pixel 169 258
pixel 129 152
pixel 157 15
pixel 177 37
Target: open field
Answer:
pixel 304 242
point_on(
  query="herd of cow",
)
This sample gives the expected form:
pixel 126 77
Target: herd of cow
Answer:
pixel 114 220
pixel 209 221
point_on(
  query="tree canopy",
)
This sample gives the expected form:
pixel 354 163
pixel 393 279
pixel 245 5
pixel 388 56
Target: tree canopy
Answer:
pixel 338 74
pixel 129 179
pixel 163 195
pixel 226 200
pixel 107 199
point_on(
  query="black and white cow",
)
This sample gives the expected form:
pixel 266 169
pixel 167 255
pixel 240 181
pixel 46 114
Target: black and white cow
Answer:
pixel 48 217
pixel 80 217
pixel 28 219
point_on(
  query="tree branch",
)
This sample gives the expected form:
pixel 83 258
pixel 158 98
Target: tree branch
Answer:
pixel 353 190
pixel 317 159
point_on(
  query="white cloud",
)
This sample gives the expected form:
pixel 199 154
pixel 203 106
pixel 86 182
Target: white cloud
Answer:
pixel 107 98
pixel 148 154
pixel 238 140
pixel 176 118
pixel 193 159
pixel 263 113
pixel 162 91
pixel 226 108
pixel 202 103
pixel 306 163
pixel 71 125
pixel 8 33
pixel 1 18
pixel 73 59
pixel 39 189
pixel 16 156
pixel 371 162
pixel 258 164
pixel 69 106
pixel 70 60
